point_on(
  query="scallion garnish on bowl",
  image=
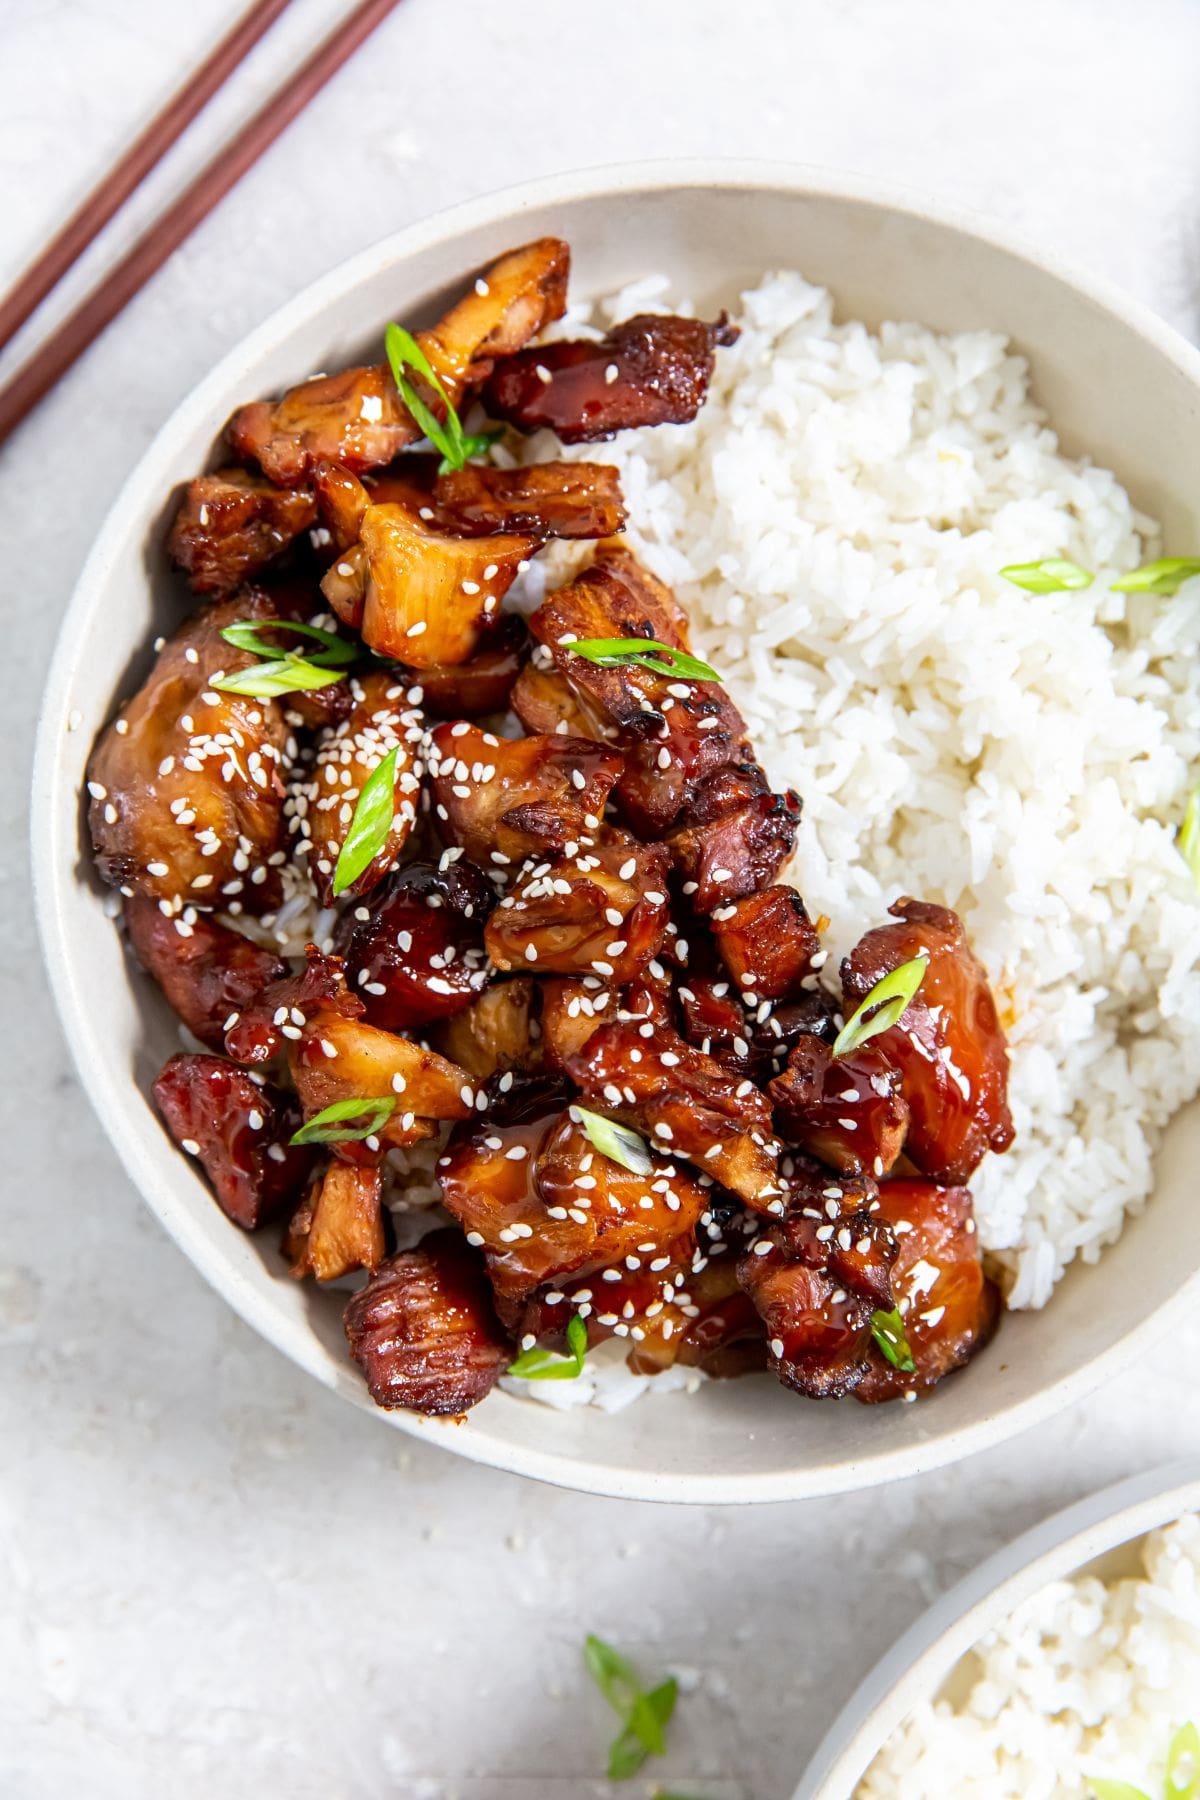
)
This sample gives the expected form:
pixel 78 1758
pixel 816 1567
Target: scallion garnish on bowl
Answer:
pixel 1189 835
pixel 1052 575
pixel 535 1364
pixel 617 1142
pixel 368 833
pixel 645 1714
pixel 284 671
pixel 1181 1780
pixel 887 1328
pixel 456 445
pixel 883 1007
pixel 647 653
pixel 346 1121
pixel 1166 576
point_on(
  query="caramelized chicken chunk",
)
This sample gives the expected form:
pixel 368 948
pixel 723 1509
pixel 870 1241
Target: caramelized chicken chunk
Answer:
pixel 709 1324
pixel 423 1329
pixel 418 954
pixel 950 1308
pixel 338 1058
pixel 736 837
pixel 573 1006
pixel 186 795
pixel 231 524
pixel 268 1020
pixel 416 593
pixel 848 1110
pixel 239 1129
pixel 322 797
pixel 357 418
pixel 653 369
pixel 492 1035
pixel 504 798
pixel 544 1203
pixel 338 1226
pixel 602 911
pixel 545 500
pixel 685 1104
pixel 482 684
pixel 948 1047
pixel 207 972
pixel 768 943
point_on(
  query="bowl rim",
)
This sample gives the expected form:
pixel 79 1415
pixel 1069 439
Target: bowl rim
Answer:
pixel 916 1665
pixel 54 871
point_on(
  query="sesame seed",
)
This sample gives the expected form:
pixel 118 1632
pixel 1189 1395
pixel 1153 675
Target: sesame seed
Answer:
pixel 190 1145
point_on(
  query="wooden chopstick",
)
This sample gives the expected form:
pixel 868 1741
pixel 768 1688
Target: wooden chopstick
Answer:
pixel 148 149
pixel 65 345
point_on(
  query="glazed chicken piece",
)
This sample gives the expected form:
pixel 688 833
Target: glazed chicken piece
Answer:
pixel 848 1111
pixel 817 1277
pixel 716 1023
pixel 685 1104
pixel 950 1308
pixel 423 1330
pixel 545 500
pixel 544 1203
pixel 322 797
pixel 273 1017
pixel 501 799
pixel 482 684
pixel 736 836
pixel 492 1035
pixel 231 524
pixel 653 369
pixel 338 1226
pixel 602 911
pixel 709 1324
pixel 339 1058
pixel 207 972
pixel 185 785
pixel 415 593
pixel 357 418
pixel 949 1047
pixel 415 953
pixel 239 1127
pixel 768 943
pixel 573 1006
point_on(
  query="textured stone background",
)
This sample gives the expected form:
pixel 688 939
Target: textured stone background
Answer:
pixel 217 1581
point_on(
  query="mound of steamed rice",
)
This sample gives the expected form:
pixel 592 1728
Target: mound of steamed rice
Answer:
pixel 1086 1678
pixel 834 521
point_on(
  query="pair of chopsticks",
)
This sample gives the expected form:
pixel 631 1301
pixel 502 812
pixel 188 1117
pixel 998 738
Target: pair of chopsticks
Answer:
pixel 131 273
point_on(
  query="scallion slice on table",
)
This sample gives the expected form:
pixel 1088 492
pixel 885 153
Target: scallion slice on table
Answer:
pixel 1052 575
pixel 646 653
pixel 368 833
pixel 883 1007
pixel 887 1328
pixel 543 1365
pixel 617 1142
pixel 456 445
pixel 645 1715
pixel 346 1121
pixel 1166 576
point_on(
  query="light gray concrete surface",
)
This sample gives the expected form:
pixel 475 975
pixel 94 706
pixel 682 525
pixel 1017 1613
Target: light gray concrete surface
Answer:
pixel 217 1582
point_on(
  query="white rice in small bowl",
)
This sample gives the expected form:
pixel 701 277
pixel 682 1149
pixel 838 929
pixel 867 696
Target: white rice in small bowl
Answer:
pixel 1070 1657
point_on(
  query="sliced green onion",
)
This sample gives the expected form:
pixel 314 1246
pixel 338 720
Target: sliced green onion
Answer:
pixel 331 1125
pixel 887 1003
pixel 645 1715
pixel 660 659
pixel 245 634
pixel 617 1142
pixel 1115 1790
pixel 457 447
pixel 368 833
pixel 1166 576
pixel 1053 575
pixel 887 1328
pixel 286 675
pixel 1183 1764
pixel 1189 835
pixel 543 1365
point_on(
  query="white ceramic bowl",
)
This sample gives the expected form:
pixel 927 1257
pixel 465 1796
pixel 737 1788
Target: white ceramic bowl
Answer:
pixel 1100 1535
pixel 1118 383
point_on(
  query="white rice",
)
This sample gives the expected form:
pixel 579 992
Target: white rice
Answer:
pixel 1085 1679
pixel 834 521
